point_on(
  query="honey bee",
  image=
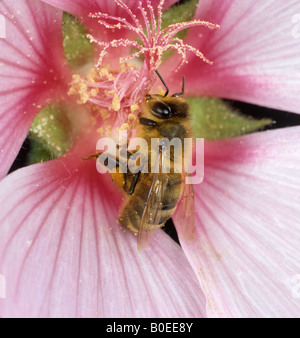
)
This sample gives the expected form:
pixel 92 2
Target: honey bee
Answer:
pixel 152 197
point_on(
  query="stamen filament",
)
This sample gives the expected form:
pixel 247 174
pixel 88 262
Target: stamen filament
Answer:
pixel 159 16
pixel 172 30
pixel 153 21
pixel 144 14
pixel 134 18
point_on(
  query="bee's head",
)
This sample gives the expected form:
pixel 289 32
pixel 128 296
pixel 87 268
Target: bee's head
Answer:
pixel 166 107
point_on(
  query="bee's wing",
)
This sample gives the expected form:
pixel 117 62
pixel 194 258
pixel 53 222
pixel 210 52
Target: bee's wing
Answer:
pixel 185 213
pixel 153 209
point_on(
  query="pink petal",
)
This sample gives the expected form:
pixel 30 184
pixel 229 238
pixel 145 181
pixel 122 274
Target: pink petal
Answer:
pixel 63 254
pixel 31 70
pixel 80 8
pixel 247 248
pixel 255 53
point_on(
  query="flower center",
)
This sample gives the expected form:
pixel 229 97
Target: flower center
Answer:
pixel 108 91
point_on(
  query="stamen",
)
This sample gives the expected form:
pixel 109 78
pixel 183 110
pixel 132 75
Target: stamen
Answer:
pixel 114 44
pixel 144 14
pixel 122 5
pixel 153 21
pixel 156 41
pixel 123 90
pixel 159 15
pixel 172 30
pixel 179 45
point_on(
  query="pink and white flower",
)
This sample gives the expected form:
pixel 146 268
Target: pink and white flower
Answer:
pixel 61 250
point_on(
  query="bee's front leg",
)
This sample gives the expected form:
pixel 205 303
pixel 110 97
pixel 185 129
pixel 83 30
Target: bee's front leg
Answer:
pixel 109 161
pixel 92 156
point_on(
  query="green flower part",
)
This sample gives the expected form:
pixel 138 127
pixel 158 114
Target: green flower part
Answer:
pixel 213 119
pixel 78 48
pixel 50 135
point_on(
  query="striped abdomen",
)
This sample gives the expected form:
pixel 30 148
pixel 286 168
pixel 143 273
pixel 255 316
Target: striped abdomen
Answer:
pixel 132 211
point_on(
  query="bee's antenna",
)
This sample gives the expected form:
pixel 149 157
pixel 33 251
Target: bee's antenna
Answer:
pixel 163 82
pixel 182 92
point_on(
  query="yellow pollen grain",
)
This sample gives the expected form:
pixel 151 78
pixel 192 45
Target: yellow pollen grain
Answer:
pixel 111 77
pixel 83 98
pixel 115 103
pixel 92 75
pixel 76 78
pixel 104 114
pixel 94 92
pixel 124 66
pixel 108 131
pixel 109 93
pixel 103 72
pixel 124 126
pixel 100 111
pixel 83 88
pixel 131 118
pixel 75 85
pixel 133 108
pixel 100 131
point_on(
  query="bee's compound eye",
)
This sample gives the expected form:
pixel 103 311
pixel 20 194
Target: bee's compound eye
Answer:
pixel 161 110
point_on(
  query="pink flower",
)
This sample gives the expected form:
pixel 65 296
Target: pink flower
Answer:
pixel 61 250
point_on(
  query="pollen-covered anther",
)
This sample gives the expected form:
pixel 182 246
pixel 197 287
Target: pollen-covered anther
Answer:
pixel 104 114
pixel 106 131
pixel 94 92
pixel 100 131
pixel 79 86
pixel 133 108
pixel 109 93
pixel 124 126
pixel 103 72
pixel 132 119
pixel 75 84
pixel 92 76
pixel 115 103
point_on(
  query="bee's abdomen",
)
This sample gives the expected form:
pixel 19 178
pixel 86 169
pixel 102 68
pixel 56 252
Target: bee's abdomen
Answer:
pixel 132 212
